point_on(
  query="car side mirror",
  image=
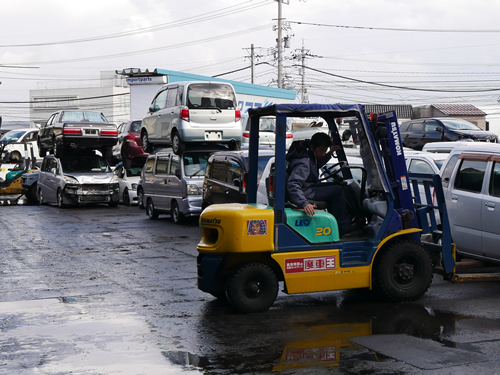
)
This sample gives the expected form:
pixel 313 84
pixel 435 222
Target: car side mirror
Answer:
pixel 152 109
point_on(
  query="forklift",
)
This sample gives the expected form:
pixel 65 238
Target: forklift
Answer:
pixel 246 250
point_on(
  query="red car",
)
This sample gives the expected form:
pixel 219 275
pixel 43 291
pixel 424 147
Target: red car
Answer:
pixel 129 143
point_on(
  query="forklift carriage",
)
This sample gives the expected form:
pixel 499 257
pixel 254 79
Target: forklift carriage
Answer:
pixel 247 249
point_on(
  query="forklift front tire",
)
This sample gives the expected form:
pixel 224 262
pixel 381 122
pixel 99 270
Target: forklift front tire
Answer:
pixel 404 272
pixel 252 288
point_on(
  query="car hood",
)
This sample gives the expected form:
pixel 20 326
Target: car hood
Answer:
pixel 484 134
pixel 88 178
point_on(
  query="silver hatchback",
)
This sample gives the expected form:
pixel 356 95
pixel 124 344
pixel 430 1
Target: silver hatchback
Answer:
pixel 77 180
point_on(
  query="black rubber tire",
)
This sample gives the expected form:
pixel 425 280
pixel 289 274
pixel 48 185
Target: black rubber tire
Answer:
pixel 126 197
pixel 59 196
pixel 252 288
pixel 150 210
pixel 113 204
pixel 178 145
pixel 57 150
pixel 146 146
pixel 40 196
pixel 403 272
pixel 176 214
pixel 140 198
pixel 31 194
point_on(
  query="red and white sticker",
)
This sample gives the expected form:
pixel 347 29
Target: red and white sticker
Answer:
pixel 404 183
pixel 311 264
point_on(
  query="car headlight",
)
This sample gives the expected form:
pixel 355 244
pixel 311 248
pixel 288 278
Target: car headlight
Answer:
pixel 114 179
pixel 70 180
pixel 193 189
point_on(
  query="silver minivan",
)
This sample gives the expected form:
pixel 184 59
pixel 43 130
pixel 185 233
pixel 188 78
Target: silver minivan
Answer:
pixel 199 112
pixel 471 183
pixel 173 184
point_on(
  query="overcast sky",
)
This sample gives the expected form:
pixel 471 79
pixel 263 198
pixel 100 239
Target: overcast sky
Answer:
pixel 359 51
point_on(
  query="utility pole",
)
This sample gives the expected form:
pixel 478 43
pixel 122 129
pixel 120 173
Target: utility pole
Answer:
pixel 303 58
pixel 280 41
pixel 252 64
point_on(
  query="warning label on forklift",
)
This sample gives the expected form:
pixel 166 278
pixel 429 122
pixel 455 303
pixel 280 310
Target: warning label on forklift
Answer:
pixel 311 264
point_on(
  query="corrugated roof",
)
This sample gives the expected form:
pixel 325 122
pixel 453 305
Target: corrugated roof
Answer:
pixel 459 109
pixel 402 110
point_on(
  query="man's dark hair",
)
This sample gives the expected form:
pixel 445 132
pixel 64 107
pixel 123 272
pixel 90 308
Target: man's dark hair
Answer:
pixel 321 139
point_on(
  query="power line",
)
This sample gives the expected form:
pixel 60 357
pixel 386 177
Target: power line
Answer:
pixel 66 99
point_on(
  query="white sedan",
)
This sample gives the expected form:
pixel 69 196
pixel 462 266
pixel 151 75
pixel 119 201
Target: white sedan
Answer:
pixel 128 180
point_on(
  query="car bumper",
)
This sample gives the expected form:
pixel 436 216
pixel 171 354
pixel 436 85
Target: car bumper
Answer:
pixel 199 134
pixel 80 195
pixel 190 206
pixel 133 151
pixel 88 142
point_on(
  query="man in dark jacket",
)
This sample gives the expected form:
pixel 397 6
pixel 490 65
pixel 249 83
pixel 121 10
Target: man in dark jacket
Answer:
pixel 304 161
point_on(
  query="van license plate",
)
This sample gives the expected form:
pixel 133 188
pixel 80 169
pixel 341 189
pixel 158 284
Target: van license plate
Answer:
pixel 91 131
pixel 213 136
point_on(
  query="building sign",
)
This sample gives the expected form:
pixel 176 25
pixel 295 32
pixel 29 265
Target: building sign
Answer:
pixel 147 80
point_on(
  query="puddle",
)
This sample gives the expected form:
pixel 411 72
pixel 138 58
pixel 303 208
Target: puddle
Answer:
pixel 322 335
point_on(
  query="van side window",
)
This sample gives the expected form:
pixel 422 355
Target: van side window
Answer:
pixel 149 166
pixel 162 165
pixel 233 171
pixel 160 100
pixel 420 166
pixel 180 90
pixel 171 96
pixel 448 170
pixel 470 175
pixel 219 169
pixel 174 164
pixel 494 188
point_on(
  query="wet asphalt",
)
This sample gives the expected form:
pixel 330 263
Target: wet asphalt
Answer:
pixel 98 290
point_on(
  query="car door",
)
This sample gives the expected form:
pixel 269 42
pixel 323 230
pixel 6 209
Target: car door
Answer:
pixel 152 120
pixel 168 113
pixel 174 180
pixel 216 181
pixel 160 182
pixel 490 207
pixel 51 181
pixel 44 136
pixel 433 132
pixel 465 203
pixel 232 191
pixel 414 135
pixel 148 177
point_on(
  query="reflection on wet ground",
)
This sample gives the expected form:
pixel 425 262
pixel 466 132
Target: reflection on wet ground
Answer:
pixel 319 333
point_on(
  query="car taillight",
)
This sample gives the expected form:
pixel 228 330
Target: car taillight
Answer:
pixel 271 186
pixel 237 115
pixel 72 131
pixel 246 134
pixel 184 115
pixel 244 182
pixel 289 135
pixel 109 132
pixel 130 138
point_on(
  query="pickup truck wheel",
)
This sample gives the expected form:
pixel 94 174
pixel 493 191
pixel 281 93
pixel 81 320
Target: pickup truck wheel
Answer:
pixel 404 272
pixel 150 210
pixel 178 145
pixel 176 214
pixel 252 288
pixel 146 146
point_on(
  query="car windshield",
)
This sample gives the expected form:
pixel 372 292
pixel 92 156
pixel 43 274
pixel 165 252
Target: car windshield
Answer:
pixel 78 116
pixel 210 95
pixel 458 124
pixel 85 164
pixel 195 163
pixel 12 136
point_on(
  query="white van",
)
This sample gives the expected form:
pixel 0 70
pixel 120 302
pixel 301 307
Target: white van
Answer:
pixel 198 112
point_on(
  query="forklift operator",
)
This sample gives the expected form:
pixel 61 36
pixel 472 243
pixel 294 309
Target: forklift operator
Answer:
pixel 304 162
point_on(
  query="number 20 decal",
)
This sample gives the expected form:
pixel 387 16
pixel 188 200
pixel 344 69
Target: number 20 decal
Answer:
pixel 326 231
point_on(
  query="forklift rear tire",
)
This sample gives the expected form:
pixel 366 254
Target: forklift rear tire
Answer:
pixel 404 272
pixel 252 288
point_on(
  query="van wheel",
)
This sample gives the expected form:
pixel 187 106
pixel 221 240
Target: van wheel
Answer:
pixel 178 145
pixel 175 213
pixel 252 288
pixel 150 210
pixel 140 198
pixel 404 272
pixel 146 146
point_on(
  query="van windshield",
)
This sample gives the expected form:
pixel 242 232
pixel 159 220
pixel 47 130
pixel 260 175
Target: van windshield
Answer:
pixel 195 163
pixel 210 95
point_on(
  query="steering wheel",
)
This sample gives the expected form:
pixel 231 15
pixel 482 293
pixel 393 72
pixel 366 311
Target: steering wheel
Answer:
pixel 331 172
